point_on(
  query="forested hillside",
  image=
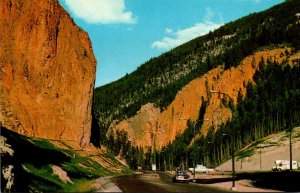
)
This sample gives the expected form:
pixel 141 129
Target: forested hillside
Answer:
pixel 264 107
pixel 271 105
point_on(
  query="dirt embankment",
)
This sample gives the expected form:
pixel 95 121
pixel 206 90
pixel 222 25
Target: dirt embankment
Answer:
pixel 271 148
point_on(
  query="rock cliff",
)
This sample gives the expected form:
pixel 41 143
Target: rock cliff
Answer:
pixel 166 125
pixel 47 71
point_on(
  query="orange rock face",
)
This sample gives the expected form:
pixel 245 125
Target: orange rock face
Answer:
pixel 150 124
pixel 47 71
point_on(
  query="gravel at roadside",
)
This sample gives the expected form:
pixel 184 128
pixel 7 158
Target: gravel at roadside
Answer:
pixel 104 184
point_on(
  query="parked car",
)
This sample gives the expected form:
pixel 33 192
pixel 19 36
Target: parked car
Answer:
pixel 181 176
pixel 201 169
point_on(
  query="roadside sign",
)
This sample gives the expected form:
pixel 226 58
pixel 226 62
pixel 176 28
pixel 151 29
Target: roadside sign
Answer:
pixel 153 167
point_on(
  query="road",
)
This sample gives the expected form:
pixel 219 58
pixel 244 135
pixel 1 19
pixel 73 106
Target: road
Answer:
pixel 161 183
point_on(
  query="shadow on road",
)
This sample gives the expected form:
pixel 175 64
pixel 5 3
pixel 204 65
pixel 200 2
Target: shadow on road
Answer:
pixel 284 181
pixel 213 180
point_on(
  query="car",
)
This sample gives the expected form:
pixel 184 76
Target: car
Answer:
pixel 181 176
pixel 201 169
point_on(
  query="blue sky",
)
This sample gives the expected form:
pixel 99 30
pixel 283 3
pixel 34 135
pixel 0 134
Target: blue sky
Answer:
pixel 126 33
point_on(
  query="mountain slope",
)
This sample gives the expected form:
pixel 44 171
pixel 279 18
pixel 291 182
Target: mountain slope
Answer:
pixel 173 120
pixel 159 80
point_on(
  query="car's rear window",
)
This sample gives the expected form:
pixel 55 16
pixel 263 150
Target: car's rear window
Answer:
pixel 181 173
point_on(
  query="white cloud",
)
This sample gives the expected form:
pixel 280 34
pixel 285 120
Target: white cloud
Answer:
pixel 168 30
pixel 185 35
pixel 101 11
pixel 179 37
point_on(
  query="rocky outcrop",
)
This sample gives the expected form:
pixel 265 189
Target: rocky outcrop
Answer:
pixel 7 175
pixel 150 124
pixel 47 71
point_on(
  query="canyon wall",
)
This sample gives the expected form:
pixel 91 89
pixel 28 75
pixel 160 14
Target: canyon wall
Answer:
pixel 47 71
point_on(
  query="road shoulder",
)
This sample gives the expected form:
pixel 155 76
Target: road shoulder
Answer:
pixel 104 184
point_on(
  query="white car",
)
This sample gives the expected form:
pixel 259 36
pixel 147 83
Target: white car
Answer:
pixel 181 176
pixel 201 169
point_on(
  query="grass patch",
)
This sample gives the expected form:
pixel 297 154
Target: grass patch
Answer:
pixel 33 167
pixel 245 153
pixel 81 185
pixel 284 138
pixel 249 151
pixel 90 170
pixel 44 178
pixel 256 143
pixel 272 143
pixel 42 143
pixel 111 157
pixel 127 171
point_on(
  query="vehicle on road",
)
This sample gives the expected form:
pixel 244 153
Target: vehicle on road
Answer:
pixel 181 176
pixel 201 169
pixel 282 165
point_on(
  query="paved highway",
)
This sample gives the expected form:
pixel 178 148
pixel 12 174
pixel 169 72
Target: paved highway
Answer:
pixel 161 183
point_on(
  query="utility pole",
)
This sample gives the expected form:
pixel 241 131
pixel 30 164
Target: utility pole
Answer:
pixel 260 157
pixel 194 157
pixel 291 156
pixel 154 151
pixel 291 151
pixel 233 161
pixel 233 169
pixel 232 141
pixel 194 164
